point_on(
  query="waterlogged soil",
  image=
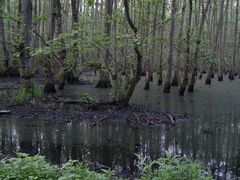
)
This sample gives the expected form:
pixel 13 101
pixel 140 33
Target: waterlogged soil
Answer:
pixel 90 113
pixel 57 109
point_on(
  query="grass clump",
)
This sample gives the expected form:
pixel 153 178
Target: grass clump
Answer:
pixel 28 92
pixel 171 168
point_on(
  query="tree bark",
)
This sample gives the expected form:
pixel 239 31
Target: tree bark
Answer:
pixel 186 66
pixel 26 25
pixel 2 39
pixel 167 84
pixel 160 63
pixel 131 84
pixel 175 81
pixel 197 46
pixel 104 81
pixel 233 69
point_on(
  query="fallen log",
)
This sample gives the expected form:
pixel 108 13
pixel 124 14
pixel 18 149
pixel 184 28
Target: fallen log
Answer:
pixel 81 101
pixel 3 112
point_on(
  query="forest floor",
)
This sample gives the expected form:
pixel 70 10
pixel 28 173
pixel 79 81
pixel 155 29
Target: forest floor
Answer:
pixel 55 110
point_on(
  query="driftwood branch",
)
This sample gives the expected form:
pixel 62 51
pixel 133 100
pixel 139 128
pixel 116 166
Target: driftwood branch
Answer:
pixel 171 118
pixel 3 112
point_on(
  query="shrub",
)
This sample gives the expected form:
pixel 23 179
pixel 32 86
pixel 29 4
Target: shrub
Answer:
pixel 24 167
pixel 171 168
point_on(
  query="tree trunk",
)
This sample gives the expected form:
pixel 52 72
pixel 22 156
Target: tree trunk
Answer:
pixel 221 41
pixel 233 69
pixel 49 86
pixel 197 46
pixel 167 84
pixel 131 84
pixel 104 81
pixel 27 73
pixel 175 81
pixel 75 19
pixel 160 63
pixel 186 66
pixel 2 39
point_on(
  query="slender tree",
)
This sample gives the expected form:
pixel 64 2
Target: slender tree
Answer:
pixel 186 66
pixel 233 68
pixel 197 46
pixel 104 81
pixel 131 84
pixel 26 26
pixel 2 38
pixel 167 84
pixel 160 62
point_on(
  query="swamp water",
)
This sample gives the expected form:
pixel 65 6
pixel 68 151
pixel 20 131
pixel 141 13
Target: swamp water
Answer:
pixel 211 134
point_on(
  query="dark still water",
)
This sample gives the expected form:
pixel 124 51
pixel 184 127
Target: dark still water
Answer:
pixel 211 135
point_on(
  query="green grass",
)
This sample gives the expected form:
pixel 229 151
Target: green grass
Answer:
pixel 28 92
pixel 24 167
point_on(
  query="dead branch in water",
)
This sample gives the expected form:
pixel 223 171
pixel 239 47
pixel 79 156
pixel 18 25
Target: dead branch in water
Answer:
pixel 4 112
pixel 171 118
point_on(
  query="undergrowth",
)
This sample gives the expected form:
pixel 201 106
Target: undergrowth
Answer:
pixel 171 168
pixel 24 167
pixel 28 92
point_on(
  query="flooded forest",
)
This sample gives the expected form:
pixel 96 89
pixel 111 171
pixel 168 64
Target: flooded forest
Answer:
pixel 120 89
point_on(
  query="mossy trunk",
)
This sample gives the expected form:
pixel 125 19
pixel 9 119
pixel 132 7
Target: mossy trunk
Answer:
pixel 3 45
pixel 49 86
pixel 131 84
pixel 160 77
pixel 167 87
pixel 208 80
pixel 220 77
pixel 184 82
pixel 193 80
pixel 175 81
pixel 147 83
pixel 231 76
pixel 104 81
pixel 210 75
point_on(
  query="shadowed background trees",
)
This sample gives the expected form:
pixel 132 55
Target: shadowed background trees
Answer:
pixel 119 42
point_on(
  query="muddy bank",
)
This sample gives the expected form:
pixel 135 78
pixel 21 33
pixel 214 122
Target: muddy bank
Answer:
pixel 93 114
pixel 58 110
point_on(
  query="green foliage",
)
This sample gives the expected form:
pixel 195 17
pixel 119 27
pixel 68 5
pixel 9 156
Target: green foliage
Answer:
pixel 76 170
pixel 171 168
pixel 36 167
pixel 24 167
pixel 90 2
pixel 28 92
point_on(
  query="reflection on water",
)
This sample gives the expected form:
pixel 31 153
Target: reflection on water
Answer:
pixel 212 135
